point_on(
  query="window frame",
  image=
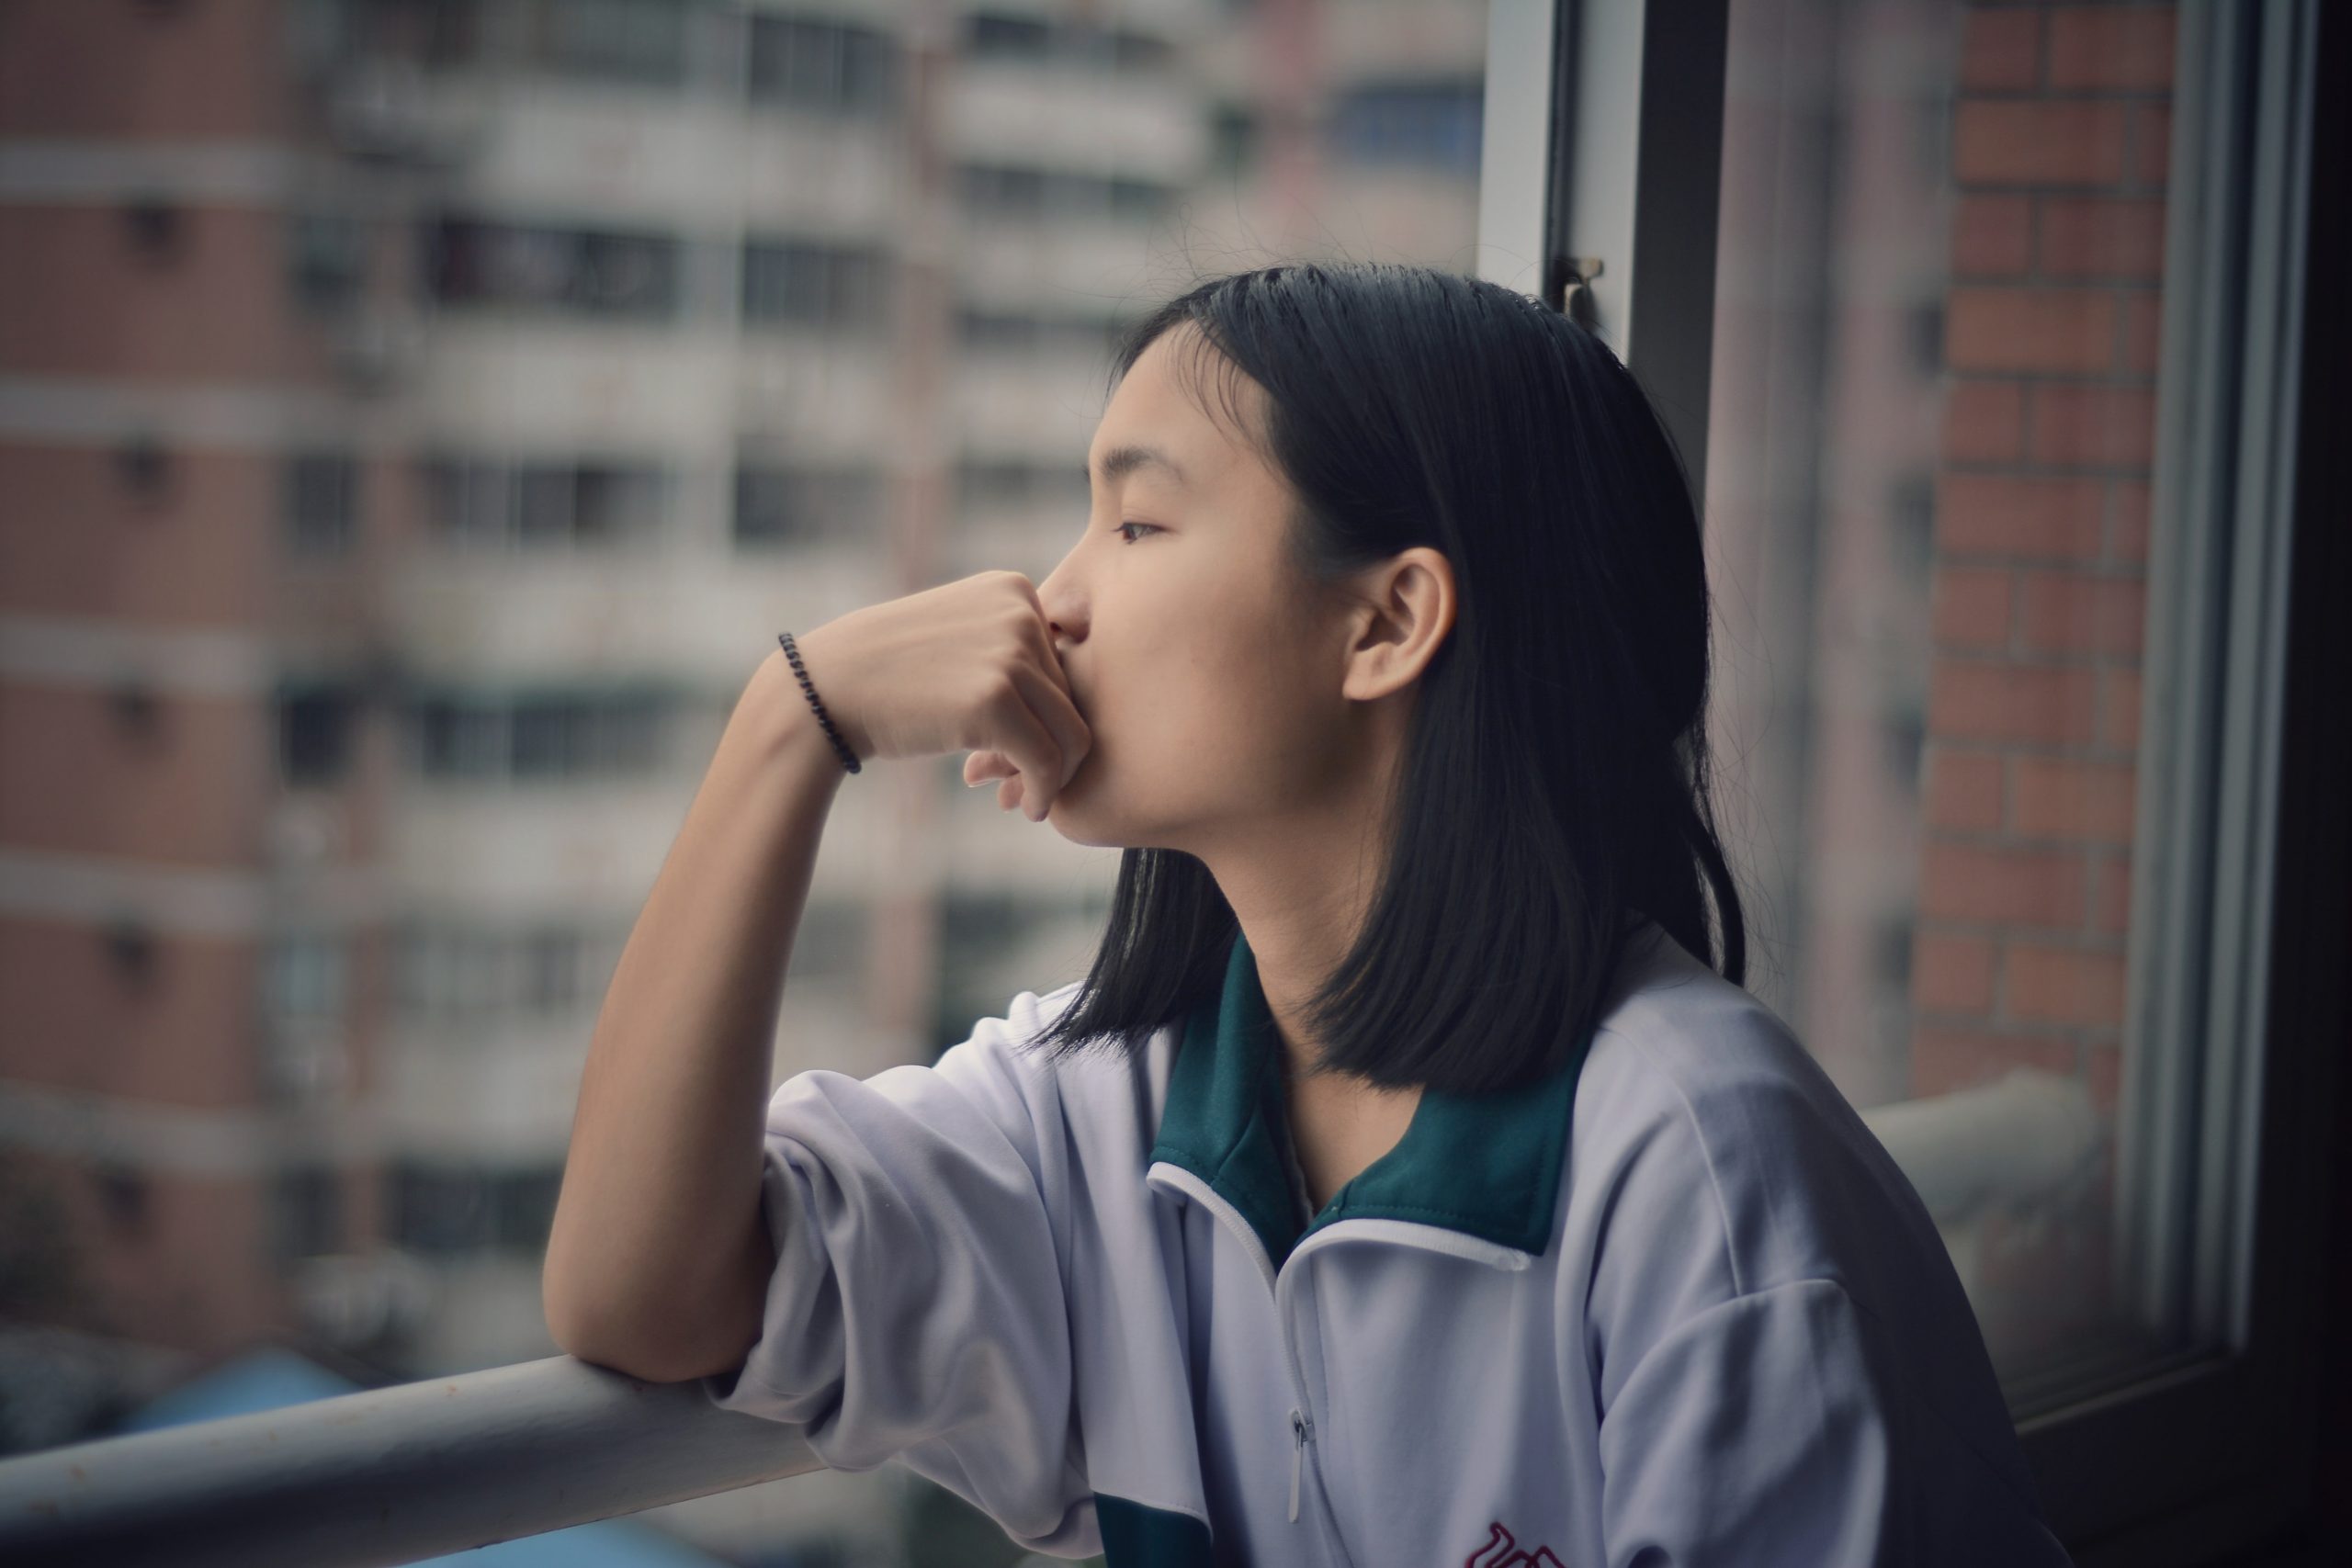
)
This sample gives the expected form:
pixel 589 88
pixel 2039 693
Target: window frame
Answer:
pixel 1602 139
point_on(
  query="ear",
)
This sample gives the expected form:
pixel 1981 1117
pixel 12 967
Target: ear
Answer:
pixel 1406 612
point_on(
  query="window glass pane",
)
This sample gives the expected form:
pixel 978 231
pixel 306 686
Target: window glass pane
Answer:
pixel 545 732
pixel 780 505
pixel 437 1207
pixel 616 501
pixel 326 257
pixel 825 66
pixel 813 285
pixel 321 500
pixel 543 502
pixel 514 282
pixel 306 976
pixel 578 271
pixel 625 40
pixel 522 1209
pixel 459 738
pixel 1432 124
pixel 307 1211
pixel 1940 272
pixel 314 735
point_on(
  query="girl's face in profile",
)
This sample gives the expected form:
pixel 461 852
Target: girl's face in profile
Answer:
pixel 1210 683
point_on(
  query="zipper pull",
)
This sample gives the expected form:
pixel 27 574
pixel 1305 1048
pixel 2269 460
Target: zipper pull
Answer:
pixel 1298 1454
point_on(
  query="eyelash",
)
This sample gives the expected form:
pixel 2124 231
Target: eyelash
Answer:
pixel 1123 527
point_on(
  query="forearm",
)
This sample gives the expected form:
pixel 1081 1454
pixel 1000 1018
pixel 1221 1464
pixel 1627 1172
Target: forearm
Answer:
pixel 657 1252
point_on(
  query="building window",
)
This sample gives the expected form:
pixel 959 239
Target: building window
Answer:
pixel 305 978
pixel 1137 51
pixel 314 736
pixel 609 503
pixel 459 738
pixel 641 41
pixel 123 1192
pixel 574 503
pixel 321 500
pixel 550 969
pixel 1002 191
pixel 803 64
pixel 482 501
pixel 1233 140
pixel 549 737
pixel 522 1209
pixel 328 35
pixel 326 261
pixel 132 947
pixel 146 466
pixel 458 972
pixel 815 285
pixel 1016 482
pixel 453 975
pixel 1429 124
pixel 467 499
pixel 990 35
pixel 1025 332
pixel 158 228
pixel 987 36
pixel 589 272
pixel 776 505
pixel 542 736
pixel 582 737
pixel 306 1211
pixel 437 1208
pixel 452 1208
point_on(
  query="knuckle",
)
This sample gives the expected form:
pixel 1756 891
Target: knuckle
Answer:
pixel 998 692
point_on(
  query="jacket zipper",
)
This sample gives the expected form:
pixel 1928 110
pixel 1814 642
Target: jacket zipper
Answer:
pixel 1302 1428
pixel 1299 1429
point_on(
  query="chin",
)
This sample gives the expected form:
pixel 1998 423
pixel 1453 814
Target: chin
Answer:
pixel 1072 826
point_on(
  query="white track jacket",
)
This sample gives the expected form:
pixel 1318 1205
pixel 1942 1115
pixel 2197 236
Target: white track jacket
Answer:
pixel 1673 1307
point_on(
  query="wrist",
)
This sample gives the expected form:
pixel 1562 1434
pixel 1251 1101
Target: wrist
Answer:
pixel 786 721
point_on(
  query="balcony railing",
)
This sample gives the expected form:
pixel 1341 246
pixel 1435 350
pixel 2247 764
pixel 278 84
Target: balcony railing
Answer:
pixel 394 1474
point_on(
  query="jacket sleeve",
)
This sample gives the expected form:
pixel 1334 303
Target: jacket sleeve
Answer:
pixel 917 1310
pixel 1752 1431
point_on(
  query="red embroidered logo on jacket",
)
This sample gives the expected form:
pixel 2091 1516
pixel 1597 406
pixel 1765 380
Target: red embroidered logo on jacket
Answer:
pixel 1503 1551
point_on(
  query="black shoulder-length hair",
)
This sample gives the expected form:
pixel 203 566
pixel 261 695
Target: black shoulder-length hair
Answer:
pixel 1554 783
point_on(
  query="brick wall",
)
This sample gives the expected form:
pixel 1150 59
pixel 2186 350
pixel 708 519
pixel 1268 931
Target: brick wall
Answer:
pixel 2037 587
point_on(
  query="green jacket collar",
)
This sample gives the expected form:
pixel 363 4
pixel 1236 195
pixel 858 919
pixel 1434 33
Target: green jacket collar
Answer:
pixel 1487 1166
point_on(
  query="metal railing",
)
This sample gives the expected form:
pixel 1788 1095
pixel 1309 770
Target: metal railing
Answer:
pixel 388 1475
pixel 393 1474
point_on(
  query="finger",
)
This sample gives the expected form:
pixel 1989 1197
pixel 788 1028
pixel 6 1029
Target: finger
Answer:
pixel 983 765
pixel 1049 701
pixel 1023 736
pixel 1035 737
pixel 1061 716
pixel 1008 794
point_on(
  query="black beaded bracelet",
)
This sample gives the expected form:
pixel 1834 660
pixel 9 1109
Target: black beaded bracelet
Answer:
pixel 849 758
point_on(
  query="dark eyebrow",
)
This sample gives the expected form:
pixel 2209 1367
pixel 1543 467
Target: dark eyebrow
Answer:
pixel 1121 461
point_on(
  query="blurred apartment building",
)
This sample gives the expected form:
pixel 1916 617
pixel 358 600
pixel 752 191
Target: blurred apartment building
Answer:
pixel 417 418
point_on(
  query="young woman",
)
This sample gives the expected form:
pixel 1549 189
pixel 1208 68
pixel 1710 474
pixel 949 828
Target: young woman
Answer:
pixel 1404 1185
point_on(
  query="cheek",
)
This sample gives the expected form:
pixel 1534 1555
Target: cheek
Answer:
pixel 1222 720
pixel 1206 692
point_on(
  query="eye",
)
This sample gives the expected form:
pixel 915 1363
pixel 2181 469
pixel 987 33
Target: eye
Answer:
pixel 1123 527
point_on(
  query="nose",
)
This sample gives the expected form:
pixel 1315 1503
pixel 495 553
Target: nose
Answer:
pixel 1065 615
